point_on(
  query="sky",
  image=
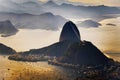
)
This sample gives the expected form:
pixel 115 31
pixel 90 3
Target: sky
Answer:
pixel 100 2
pixel 94 2
pixel 88 2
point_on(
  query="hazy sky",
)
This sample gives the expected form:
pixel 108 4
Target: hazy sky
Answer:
pixel 90 2
pixel 94 2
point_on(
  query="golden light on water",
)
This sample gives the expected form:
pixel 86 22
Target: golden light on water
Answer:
pixel 13 70
pixel 99 2
pixel 31 39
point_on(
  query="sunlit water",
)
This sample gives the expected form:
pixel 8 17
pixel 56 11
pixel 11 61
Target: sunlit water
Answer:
pixel 13 70
pixel 30 39
pixel 106 38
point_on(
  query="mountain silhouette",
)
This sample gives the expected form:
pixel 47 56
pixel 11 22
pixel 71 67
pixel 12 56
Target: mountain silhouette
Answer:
pixel 70 32
pixel 7 28
pixel 5 50
pixel 70 49
pixel 84 53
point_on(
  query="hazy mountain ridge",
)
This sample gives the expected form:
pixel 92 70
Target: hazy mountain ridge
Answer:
pixel 89 23
pixel 26 7
pixel 64 9
pixel 30 21
pixel 33 7
pixel 69 10
pixel 22 15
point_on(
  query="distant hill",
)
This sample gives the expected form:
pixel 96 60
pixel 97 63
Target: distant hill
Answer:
pixel 4 50
pixel 32 7
pixel 30 21
pixel 83 53
pixel 89 23
pixel 50 4
pixel 70 10
pixel 56 49
pixel 7 28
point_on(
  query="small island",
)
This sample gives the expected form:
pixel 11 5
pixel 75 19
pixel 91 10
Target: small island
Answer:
pixel 7 28
pixel 110 24
pixel 89 24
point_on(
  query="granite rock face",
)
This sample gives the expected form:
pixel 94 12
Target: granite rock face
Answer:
pixel 70 32
pixel 79 52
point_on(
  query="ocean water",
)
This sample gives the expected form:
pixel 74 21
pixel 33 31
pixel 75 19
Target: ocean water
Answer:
pixel 13 70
